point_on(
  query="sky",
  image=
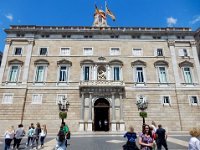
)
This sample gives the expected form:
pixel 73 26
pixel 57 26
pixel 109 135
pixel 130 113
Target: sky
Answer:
pixel 128 13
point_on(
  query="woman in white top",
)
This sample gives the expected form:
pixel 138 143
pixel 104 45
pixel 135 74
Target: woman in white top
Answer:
pixel 9 135
pixel 194 143
pixel 43 134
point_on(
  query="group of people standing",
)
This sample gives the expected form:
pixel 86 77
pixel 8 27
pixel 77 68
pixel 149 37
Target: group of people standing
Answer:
pixel 34 134
pixel 150 138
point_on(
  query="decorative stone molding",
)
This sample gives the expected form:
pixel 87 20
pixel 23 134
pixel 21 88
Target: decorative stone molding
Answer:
pixel 138 62
pixel 41 61
pixel 186 63
pixel 161 63
pixel 171 43
pixel 116 62
pixel 15 62
pixel 64 61
pixel 87 61
pixel 192 43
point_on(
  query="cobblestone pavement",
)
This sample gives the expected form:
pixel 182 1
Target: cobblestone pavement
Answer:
pixel 104 142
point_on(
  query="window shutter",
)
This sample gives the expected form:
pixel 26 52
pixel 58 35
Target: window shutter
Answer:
pixel 181 52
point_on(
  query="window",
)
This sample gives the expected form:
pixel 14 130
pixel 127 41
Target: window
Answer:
pixel 87 51
pixel 193 100
pixel 116 73
pixel 18 51
pixel 37 99
pixel 139 75
pixel 43 51
pixel 185 53
pixel 63 74
pixel 137 52
pixel 166 100
pixel 14 73
pixel 65 51
pixel 7 98
pixel 86 73
pixel 187 75
pixel 162 75
pixel 40 74
pixel 114 51
pixel 159 52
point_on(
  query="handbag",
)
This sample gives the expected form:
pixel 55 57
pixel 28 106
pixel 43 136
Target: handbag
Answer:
pixel 68 135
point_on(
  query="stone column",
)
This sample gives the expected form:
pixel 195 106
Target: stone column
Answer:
pixel 113 123
pixel 171 45
pixel 122 123
pixel 4 59
pixel 95 73
pixel 196 60
pixel 89 128
pixel 81 123
pixel 27 62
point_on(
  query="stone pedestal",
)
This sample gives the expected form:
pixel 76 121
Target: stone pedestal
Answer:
pixel 113 126
pixel 89 125
pixel 81 125
pixel 121 126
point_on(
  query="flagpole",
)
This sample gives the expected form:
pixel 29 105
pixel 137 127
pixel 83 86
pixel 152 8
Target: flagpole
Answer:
pixel 105 8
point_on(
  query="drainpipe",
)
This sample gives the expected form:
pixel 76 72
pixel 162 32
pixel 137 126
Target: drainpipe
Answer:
pixel 24 104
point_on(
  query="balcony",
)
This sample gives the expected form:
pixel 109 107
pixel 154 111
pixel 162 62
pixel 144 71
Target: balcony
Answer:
pixel 100 83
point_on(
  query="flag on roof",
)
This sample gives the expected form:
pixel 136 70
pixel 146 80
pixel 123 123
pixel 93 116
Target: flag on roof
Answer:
pixel 100 12
pixel 110 13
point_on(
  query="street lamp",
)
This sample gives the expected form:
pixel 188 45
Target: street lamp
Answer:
pixel 63 106
pixel 142 105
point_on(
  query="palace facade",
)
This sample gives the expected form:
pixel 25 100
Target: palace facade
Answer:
pixel 102 72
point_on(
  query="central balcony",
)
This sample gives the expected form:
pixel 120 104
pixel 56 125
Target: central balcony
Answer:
pixel 96 83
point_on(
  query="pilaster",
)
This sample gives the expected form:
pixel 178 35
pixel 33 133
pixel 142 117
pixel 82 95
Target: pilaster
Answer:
pixel 4 59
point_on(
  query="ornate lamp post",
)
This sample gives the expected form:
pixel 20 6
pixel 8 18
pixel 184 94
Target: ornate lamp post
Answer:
pixel 142 105
pixel 63 107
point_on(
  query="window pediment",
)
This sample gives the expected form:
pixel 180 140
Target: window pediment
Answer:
pixel 161 63
pixel 15 61
pixel 116 62
pixel 186 63
pixel 64 61
pixel 41 61
pixel 138 62
pixel 87 61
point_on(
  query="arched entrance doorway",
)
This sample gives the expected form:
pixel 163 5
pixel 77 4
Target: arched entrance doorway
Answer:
pixel 101 115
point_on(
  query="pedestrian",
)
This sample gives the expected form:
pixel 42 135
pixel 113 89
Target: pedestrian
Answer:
pixel 145 139
pixel 106 124
pixel 30 136
pixel 161 138
pixel 9 135
pixel 100 124
pixel 19 134
pixel 194 143
pixel 66 132
pixel 43 135
pixel 131 140
pixel 61 140
pixel 36 135
pixel 153 124
pixel 153 135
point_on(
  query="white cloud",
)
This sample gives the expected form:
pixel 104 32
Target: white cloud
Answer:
pixel 195 20
pixel 171 21
pixel 9 17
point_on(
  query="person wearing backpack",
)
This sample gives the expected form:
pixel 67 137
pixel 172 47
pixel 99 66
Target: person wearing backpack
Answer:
pixel 61 141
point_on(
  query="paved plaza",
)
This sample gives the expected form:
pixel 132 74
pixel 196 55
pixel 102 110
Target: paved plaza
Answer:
pixel 104 142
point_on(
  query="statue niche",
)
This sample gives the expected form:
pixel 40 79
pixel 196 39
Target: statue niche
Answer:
pixel 101 73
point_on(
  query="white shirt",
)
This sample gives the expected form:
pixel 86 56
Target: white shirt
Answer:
pixel 194 144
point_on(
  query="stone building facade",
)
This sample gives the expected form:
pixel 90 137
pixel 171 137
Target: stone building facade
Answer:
pixel 102 71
